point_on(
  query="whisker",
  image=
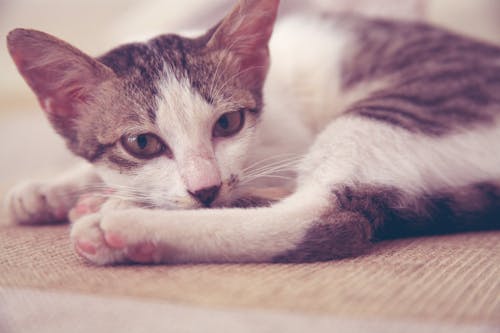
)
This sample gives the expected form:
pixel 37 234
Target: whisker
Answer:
pixel 280 157
pixel 287 167
pixel 273 167
pixel 281 171
pixel 266 176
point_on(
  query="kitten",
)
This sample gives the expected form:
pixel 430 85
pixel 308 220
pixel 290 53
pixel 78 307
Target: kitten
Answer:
pixel 395 126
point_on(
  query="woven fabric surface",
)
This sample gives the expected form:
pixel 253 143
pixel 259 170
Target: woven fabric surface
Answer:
pixel 453 278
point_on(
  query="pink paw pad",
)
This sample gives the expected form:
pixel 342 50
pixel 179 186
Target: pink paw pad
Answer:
pixel 114 240
pixel 85 247
pixel 82 209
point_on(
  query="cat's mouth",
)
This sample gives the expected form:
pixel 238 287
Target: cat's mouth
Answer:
pixel 184 203
pixel 228 194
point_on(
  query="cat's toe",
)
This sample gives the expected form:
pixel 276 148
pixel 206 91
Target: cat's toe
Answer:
pixel 115 240
pixel 89 242
pixel 86 204
pixel 27 204
pixel 123 233
pixel 35 203
pixel 140 252
pixel 111 243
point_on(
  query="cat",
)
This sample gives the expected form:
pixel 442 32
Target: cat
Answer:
pixel 384 128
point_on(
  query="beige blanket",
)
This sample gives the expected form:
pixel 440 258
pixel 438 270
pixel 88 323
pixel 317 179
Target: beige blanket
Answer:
pixel 445 283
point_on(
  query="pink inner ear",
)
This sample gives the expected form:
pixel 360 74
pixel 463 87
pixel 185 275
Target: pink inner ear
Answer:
pixel 78 94
pixel 60 75
pixel 57 95
pixel 65 84
pixel 248 28
pixel 255 67
pixel 245 32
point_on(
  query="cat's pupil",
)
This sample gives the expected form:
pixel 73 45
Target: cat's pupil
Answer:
pixel 224 122
pixel 142 141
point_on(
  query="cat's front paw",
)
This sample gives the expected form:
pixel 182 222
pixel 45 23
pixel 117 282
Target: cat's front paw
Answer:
pixel 39 202
pixel 87 204
pixel 103 245
pixel 90 242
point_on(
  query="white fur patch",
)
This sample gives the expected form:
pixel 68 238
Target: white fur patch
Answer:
pixel 362 150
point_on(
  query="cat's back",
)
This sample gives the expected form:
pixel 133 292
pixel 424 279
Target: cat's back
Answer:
pixel 327 64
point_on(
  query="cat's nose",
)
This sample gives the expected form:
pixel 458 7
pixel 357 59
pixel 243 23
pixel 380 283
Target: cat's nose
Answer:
pixel 206 195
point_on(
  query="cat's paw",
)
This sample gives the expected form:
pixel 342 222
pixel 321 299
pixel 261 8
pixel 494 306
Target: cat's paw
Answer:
pixel 89 241
pixel 39 202
pixel 87 204
pixel 112 242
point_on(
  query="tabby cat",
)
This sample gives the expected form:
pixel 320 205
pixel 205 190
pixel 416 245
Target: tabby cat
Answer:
pixel 378 128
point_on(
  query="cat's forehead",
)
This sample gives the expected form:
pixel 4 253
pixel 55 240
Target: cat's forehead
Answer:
pixel 143 66
pixel 174 80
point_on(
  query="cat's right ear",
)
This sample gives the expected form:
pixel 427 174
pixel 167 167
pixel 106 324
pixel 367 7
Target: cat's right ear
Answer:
pixel 245 32
pixel 62 77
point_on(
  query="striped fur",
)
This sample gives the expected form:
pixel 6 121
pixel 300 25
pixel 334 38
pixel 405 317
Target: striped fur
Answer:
pixel 439 81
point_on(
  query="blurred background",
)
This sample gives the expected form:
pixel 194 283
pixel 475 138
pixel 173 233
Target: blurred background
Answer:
pixel 31 149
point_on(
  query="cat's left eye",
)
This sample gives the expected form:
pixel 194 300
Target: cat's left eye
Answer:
pixel 229 123
pixel 144 146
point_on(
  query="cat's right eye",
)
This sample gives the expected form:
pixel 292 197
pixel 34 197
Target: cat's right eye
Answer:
pixel 144 146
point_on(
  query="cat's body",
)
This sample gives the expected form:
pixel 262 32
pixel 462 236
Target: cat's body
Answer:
pixel 396 126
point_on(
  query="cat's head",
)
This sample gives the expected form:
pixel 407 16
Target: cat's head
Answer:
pixel 168 122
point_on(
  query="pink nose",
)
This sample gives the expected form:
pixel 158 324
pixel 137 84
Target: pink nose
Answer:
pixel 206 195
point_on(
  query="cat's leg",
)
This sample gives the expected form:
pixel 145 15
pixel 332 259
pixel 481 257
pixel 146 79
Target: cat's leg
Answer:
pixel 208 235
pixel 35 202
pixel 88 222
pixel 360 179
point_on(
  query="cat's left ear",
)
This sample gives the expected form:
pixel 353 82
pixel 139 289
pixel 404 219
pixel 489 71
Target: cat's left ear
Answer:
pixel 245 32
